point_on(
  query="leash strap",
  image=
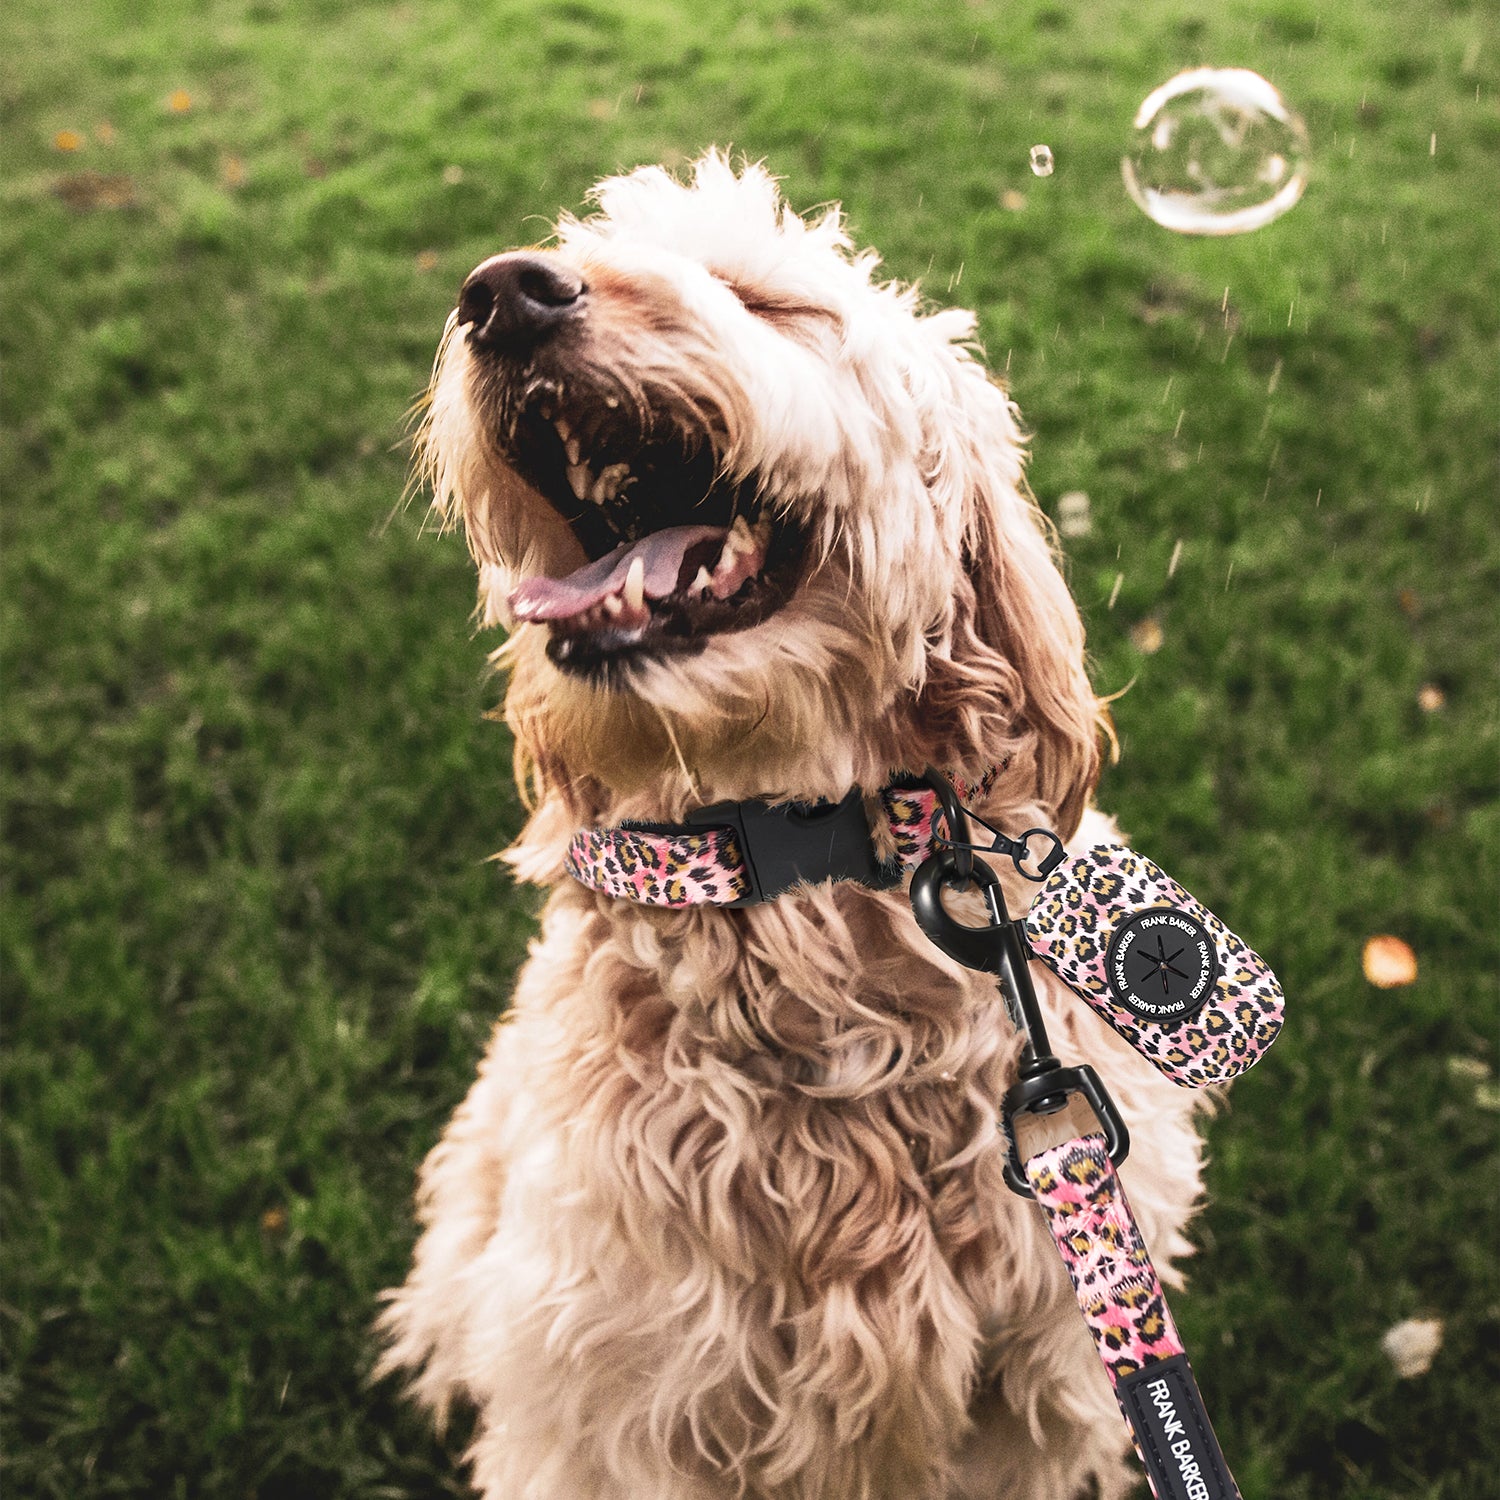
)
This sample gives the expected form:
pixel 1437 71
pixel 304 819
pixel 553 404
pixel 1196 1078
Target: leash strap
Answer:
pixel 742 853
pixel 1122 1301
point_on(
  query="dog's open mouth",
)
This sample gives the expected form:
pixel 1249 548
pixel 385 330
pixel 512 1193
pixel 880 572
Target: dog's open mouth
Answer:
pixel 678 553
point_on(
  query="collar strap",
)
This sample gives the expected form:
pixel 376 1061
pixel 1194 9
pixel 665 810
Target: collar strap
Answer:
pixel 743 853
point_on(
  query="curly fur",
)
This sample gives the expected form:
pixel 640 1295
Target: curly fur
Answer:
pixel 723 1214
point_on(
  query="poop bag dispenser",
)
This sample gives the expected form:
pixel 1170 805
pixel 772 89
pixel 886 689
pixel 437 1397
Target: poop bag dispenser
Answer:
pixel 1160 967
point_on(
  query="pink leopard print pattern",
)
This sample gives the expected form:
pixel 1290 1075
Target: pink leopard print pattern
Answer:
pixel 1069 926
pixel 1118 1289
pixel 661 869
pixel 707 867
pixel 911 810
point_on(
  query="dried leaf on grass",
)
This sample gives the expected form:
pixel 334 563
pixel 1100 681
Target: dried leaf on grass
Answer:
pixel 1073 514
pixel 85 191
pixel 1412 1345
pixel 1389 962
pixel 1147 636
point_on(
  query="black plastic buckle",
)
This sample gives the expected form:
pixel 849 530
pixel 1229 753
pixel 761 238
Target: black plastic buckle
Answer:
pixel 1045 1093
pixel 787 842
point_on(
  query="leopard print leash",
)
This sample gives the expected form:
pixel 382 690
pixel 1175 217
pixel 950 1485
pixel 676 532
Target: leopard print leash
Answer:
pixel 1195 1001
pixel 1125 1308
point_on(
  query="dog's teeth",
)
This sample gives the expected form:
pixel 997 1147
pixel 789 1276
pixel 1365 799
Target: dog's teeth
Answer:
pixel 613 605
pixel 609 483
pixel 635 583
pixel 740 539
pixel 575 453
pixel 702 584
pixel 580 479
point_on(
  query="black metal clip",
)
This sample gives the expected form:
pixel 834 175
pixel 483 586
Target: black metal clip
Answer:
pixel 1018 850
pixel 1043 1086
pixel 1047 1091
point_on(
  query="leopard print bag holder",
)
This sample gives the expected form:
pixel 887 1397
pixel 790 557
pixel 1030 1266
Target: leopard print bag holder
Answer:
pixel 1165 972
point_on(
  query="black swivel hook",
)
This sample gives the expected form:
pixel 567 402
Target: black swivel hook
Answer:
pixel 1043 1085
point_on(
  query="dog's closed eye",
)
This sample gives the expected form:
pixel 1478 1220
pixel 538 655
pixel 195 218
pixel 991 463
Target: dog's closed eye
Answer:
pixel 775 306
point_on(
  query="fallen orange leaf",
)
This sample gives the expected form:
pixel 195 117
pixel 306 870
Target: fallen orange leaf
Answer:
pixel 1431 698
pixel 68 140
pixel 180 101
pixel 1389 963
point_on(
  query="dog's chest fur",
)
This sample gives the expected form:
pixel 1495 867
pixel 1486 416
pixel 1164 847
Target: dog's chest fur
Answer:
pixel 766 1138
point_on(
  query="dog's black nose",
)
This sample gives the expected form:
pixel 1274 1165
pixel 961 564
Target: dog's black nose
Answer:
pixel 511 302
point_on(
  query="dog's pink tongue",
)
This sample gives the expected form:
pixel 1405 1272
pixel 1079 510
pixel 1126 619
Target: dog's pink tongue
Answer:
pixel 662 553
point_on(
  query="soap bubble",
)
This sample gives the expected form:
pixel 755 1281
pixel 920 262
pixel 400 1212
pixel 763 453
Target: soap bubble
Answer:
pixel 1216 151
pixel 1041 161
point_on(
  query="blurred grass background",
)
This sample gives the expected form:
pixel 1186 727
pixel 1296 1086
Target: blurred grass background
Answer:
pixel 251 946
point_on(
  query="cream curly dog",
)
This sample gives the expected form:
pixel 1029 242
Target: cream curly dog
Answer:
pixel 723 1214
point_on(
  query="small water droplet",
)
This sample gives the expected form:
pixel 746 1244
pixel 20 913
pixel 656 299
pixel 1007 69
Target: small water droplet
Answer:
pixel 1216 151
pixel 1041 161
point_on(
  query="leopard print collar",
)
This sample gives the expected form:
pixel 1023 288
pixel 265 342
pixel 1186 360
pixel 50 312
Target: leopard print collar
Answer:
pixel 743 853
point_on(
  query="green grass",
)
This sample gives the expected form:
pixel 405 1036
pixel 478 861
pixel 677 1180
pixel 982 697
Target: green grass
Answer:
pixel 251 946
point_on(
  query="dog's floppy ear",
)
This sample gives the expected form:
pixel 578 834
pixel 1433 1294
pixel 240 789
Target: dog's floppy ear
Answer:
pixel 1010 678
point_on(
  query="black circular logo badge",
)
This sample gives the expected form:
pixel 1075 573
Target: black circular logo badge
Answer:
pixel 1162 965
